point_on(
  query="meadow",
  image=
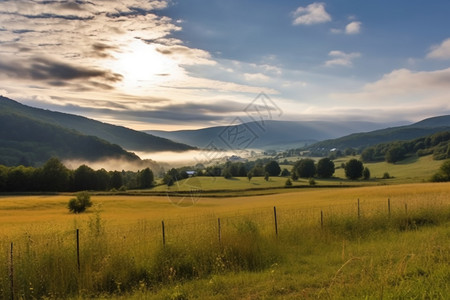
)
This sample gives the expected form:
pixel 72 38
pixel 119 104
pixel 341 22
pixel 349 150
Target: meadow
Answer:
pixel 322 247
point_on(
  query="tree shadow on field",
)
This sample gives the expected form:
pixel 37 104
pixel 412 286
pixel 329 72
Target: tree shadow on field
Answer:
pixel 408 160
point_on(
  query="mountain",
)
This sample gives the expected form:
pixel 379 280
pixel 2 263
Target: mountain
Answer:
pixel 26 141
pixel 125 137
pixel 276 135
pixel 401 133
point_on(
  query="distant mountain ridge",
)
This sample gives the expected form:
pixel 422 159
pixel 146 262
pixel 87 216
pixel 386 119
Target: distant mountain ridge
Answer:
pixel 400 133
pixel 127 138
pixel 276 135
pixel 26 141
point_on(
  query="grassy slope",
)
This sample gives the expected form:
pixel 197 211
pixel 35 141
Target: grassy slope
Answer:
pixel 413 169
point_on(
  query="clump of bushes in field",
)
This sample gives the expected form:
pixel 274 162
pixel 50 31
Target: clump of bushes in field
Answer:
pixel 443 174
pixel 80 203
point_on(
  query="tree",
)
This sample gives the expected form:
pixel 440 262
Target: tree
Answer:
pixel 80 203
pixel 443 174
pixel 266 176
pixel 116 180
pixel 288 183
pixel 368 154
pixel 84 178
pixel 249 176
pixel 146 178
pixel 325 168
pixel 366 173
pixel 226 173
pixel 285 173
pixel 273 168
pixel 102 180
pixel 54 176
pixel 395 154
pixel 354 169
pixel 304 168
pixel 242 170
pixel 257 171
pixel 445 168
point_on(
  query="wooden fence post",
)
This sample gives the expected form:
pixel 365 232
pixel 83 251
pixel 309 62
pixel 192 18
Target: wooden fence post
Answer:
pixel 321 219
pixel 78 250
pixel 389 207
pixel 11 272
pixel 359 210
pixel 276 223
pixel 218 226
pixel 163 233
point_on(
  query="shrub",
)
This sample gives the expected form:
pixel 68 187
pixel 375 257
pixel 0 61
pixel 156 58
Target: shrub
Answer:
pixel 312 181
pixel 288 183
pixel 443 174
pixel 386 175
pixel 366 173
pixel 80 203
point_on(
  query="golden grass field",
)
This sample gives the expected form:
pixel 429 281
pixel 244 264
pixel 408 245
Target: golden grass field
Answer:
pixel 28 212
pixel 122 254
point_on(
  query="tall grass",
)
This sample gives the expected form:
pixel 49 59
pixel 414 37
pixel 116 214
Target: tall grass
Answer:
pixel 130 259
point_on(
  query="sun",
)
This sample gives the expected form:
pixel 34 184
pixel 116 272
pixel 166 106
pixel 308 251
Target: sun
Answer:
pixel 143 66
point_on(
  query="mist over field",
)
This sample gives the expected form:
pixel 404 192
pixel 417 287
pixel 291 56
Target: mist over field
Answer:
pixel 191 157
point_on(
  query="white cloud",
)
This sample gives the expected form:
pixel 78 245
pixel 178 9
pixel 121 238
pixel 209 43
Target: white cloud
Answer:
pixel 312 14
pixel 353 27
pixel 441 51
pixel 256 77
pixel 404 81
pixel 341 58
pixel 403 87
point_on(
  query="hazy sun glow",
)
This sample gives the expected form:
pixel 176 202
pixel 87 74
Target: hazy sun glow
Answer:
pixel 143 67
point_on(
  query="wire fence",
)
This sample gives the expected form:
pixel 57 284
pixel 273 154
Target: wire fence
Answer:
pixel 31 257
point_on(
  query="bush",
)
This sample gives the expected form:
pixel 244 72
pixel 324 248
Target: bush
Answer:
pixel 312 181
pixel 386 175
pixel 366 173
pixel 288 183
pixel 443 174
pixel 80 203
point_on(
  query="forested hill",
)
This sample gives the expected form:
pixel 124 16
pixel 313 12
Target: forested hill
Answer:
pixel 401 133
pixel 26 141
pixel 125 137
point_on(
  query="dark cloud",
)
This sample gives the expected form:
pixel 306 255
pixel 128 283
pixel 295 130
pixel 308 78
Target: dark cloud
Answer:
pixel 56 16
pixel 53 71
pixel 101 50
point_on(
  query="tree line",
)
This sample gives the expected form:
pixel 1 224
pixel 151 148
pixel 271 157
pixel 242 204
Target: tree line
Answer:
pixel 437 144
pixel 53 176
pixel 303 168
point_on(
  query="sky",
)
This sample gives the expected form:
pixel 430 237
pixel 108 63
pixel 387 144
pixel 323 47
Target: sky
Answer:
pixel 186 64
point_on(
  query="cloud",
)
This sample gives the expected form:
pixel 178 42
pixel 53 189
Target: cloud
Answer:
pixel 312 14
pixel 256 77
pixel 404 81
pixel 46 69
pixel 403 87
pixel 341 58
pixel 441 51
pixel 353 27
